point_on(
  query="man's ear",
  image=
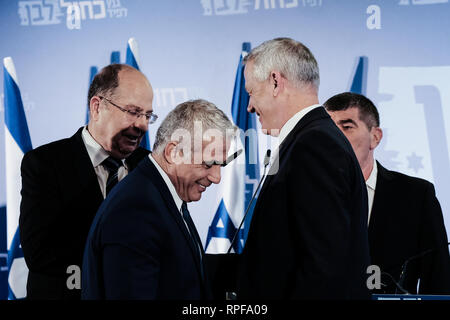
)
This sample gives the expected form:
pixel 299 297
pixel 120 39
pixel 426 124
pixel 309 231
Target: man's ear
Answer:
pixel 170 152
pixel 376 134
pixel 94 108
pixel 277 81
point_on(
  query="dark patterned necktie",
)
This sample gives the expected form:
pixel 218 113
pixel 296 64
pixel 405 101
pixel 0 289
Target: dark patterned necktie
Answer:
pixel 112 165
pixel 193 234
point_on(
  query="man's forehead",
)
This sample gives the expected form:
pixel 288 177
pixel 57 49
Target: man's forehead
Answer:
pixel 247 69
pixel 215 148
pixel 349 113
pixel 135 90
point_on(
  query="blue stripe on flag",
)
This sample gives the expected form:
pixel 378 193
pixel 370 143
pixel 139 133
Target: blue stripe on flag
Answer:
pixel 359 83
pixel 14 114
pixel 115 57
pixel 131 60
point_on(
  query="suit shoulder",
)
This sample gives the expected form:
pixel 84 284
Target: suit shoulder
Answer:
pixel 410 181
pixel 137 155
pixel 323 134
pixel 141 152
pixel 48 150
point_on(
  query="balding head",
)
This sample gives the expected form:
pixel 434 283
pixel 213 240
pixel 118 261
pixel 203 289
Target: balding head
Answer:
pixel 120 103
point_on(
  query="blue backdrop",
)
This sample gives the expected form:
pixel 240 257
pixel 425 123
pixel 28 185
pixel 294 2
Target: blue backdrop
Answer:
pixel 188 49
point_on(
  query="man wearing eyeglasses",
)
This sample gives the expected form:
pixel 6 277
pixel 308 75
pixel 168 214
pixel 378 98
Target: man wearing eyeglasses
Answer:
pixel 64 182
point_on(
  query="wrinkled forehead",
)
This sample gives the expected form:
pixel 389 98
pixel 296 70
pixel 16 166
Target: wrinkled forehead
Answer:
pixel 213 148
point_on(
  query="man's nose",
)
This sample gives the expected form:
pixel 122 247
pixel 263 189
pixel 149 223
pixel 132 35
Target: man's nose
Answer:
pixel 250 108
pixel 141 123
pixel 214 174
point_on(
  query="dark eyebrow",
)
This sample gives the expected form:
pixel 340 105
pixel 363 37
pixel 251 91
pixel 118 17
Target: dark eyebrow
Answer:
pixel 346 121
pixel 137 108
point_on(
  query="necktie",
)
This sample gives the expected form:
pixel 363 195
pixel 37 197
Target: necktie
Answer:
pixel 112 165
pixel 193 234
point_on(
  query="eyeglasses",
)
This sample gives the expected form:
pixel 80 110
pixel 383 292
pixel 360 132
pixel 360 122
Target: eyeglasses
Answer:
pixel 134 115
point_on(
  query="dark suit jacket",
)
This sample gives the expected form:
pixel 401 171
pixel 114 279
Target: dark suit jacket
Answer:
pixel 406 220
pixel 139 247
pixel 308 235
pixel 60 196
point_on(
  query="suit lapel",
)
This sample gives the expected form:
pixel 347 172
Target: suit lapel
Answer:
pixel 152 173
pixel 86 179
pixel 379 208
pixel 84 169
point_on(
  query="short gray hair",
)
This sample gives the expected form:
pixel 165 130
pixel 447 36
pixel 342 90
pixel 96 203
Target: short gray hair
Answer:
pixel 185 115
pixel 291 58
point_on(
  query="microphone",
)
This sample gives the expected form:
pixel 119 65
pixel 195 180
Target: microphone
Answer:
pixel 405 264
pixel 266 163
pixel 232 157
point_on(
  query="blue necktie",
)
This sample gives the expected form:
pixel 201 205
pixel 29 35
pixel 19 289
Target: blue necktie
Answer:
pixel 112 165
pixel 193 234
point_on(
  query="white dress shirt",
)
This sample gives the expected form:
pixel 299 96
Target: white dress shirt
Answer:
pixel 284 132
pixel 292 122
pixel 97 155
pixel 173 191
pixel 370 184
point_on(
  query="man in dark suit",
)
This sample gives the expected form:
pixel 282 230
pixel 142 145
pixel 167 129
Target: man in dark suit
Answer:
pixel 405 218
pixel 308 235
pixel 143 243
pixel 64 182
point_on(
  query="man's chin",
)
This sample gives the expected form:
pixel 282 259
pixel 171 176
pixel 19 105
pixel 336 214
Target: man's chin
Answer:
pixel 271 132
pixel 195 197
pixel 124 151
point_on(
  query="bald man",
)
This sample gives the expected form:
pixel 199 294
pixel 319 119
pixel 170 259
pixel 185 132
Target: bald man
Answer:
pixel 64 182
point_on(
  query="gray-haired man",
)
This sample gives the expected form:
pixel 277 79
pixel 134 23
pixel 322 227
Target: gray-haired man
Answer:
pixel 308 235
pixel 143 243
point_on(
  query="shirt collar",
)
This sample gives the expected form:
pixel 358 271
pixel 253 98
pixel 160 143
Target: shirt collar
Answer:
pixel 292 122
pixel 173 191
pixel 372 181
pixel 96 152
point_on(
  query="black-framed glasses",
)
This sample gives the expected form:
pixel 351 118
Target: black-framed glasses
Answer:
pixel 134 115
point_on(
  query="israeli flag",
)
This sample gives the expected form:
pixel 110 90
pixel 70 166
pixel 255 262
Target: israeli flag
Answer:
pixel 132 59
pixel 17 143
pixel 240 177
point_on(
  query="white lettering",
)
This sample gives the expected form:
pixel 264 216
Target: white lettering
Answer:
pixel 73 20
pixel 74 280
pixel 374 20
pixel 374 280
